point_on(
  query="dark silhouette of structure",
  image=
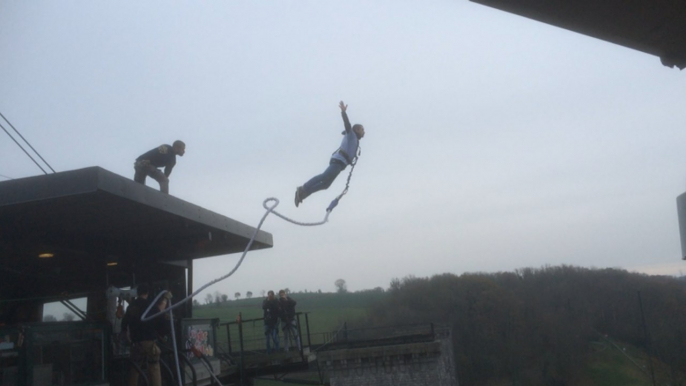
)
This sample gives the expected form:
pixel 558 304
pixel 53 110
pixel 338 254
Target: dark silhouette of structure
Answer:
pixel 655 27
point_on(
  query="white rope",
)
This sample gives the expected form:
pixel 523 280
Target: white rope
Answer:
pixel 305 224
pixel 270 209
pixel 170 307
pixel 176 353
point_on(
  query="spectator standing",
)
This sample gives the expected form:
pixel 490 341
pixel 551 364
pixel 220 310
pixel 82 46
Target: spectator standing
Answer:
pixel 271 309
pixel 289 325
pixel 144 350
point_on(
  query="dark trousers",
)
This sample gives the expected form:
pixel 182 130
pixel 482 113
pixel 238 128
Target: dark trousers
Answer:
pixel 290 334
pixel 272 334
pixel 324 180
pixel 144 169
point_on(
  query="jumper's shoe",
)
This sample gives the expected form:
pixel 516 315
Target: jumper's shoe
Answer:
pixel 297 196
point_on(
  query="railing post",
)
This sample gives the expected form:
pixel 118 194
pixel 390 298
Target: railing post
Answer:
pixel 228 335
pixel 345 332
pixel 307 325
pixel 299 341
pixel 240 336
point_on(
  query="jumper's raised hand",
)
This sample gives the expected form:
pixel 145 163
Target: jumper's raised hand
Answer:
pixel 343 106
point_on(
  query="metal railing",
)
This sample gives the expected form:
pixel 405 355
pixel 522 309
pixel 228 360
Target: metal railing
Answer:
pixel 251 338
pixel 378 335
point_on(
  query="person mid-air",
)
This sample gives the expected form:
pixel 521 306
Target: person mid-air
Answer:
pixel 340 159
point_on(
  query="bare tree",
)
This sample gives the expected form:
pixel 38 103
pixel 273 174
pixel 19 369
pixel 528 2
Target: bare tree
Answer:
pixel 225 298
pixel 248 294
pixel 208 298
pixel 196 303
pixel 237 295
pixel 68 317
pixel 49 318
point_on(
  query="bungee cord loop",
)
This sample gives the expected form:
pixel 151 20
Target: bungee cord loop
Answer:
pixel 270 205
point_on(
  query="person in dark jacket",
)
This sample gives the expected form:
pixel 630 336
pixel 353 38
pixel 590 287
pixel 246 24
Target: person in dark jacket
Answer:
pixel 144 350
pixel 271 309
pixel 340 159
pixel 163 156
pixel 289 325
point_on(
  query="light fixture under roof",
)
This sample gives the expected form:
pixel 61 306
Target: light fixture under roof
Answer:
pixel 46 255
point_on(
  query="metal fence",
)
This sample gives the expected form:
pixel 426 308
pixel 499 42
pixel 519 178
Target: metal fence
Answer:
pixel 248 336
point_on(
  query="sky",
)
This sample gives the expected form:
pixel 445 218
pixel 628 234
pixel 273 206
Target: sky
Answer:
pixel 493 142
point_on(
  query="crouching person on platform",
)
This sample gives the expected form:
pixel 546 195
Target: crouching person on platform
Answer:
pixel 163 156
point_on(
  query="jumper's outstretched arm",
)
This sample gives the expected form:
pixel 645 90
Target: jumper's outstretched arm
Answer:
pixel 346 121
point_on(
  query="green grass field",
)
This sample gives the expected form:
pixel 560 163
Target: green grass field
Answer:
pixel 611 368
pixel 326 314
pixel 627 365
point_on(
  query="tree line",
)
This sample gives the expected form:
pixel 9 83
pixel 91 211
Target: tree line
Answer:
pixel 217 298
pixel 534 326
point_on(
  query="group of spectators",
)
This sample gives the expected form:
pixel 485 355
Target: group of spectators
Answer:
pixel 281 309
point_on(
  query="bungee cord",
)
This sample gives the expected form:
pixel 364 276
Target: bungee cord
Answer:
pixel 270 209
pixel 270 205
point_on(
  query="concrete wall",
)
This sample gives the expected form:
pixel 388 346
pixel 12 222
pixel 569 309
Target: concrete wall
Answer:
pixel 428 363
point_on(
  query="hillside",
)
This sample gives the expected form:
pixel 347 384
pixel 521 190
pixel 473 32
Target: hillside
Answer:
pixel 535 326
pixel 549 326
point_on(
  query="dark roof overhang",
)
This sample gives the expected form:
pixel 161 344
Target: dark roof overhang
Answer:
pixel 92 213
pixel 656 27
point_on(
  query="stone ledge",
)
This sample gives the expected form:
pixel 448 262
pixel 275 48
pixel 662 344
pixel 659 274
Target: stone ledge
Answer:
pixel 380 352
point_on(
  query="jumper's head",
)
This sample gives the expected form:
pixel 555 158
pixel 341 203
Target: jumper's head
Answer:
pixel 359 130
pixel 282 294
pixel 179 148
pixel 270 295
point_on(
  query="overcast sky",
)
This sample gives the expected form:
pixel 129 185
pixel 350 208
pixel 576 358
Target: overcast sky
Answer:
pixel 493 142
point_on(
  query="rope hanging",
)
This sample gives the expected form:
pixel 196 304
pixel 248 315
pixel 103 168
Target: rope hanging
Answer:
pixel 269 209
pixel 269 204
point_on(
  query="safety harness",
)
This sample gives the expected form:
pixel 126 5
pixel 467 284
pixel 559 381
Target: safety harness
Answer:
pixel 352 163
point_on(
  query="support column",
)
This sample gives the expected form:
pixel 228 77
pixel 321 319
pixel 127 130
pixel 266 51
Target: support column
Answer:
pixel 189 288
